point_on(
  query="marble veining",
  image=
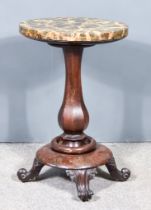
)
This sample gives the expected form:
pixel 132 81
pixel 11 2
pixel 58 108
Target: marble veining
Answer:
pixel 70 29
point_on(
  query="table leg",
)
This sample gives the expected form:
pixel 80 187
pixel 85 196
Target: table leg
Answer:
pixel 32 174
pixel 81 178
pixel 116 174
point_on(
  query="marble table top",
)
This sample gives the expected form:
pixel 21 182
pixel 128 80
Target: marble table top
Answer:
pixel 70 29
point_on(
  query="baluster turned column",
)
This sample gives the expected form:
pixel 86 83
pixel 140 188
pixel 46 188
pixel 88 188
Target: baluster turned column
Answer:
pixel 73 116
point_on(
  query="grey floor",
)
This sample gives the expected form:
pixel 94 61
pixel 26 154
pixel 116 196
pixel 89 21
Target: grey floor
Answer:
pixel 55 192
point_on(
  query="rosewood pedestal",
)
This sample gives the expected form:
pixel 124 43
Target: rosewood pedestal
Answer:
pixel 73 150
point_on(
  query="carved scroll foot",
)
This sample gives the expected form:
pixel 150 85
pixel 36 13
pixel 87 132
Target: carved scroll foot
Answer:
pixel 82 177
pixel 117 175
pixel 32 175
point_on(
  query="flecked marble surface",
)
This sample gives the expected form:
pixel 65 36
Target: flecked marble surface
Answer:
pixel 70 29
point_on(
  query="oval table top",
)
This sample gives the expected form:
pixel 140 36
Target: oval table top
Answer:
pixel 71 29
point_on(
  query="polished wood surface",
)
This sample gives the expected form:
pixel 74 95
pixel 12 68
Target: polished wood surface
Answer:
pixel 73 150
pixel 73 116
pixel 100 156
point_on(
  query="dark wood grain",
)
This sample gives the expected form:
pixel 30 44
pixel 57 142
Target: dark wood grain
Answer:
pixel 81 178
pixel 73 115
pixel 73 150
pixel 100 156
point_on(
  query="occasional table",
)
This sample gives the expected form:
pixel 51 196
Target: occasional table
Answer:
pixel 74 151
